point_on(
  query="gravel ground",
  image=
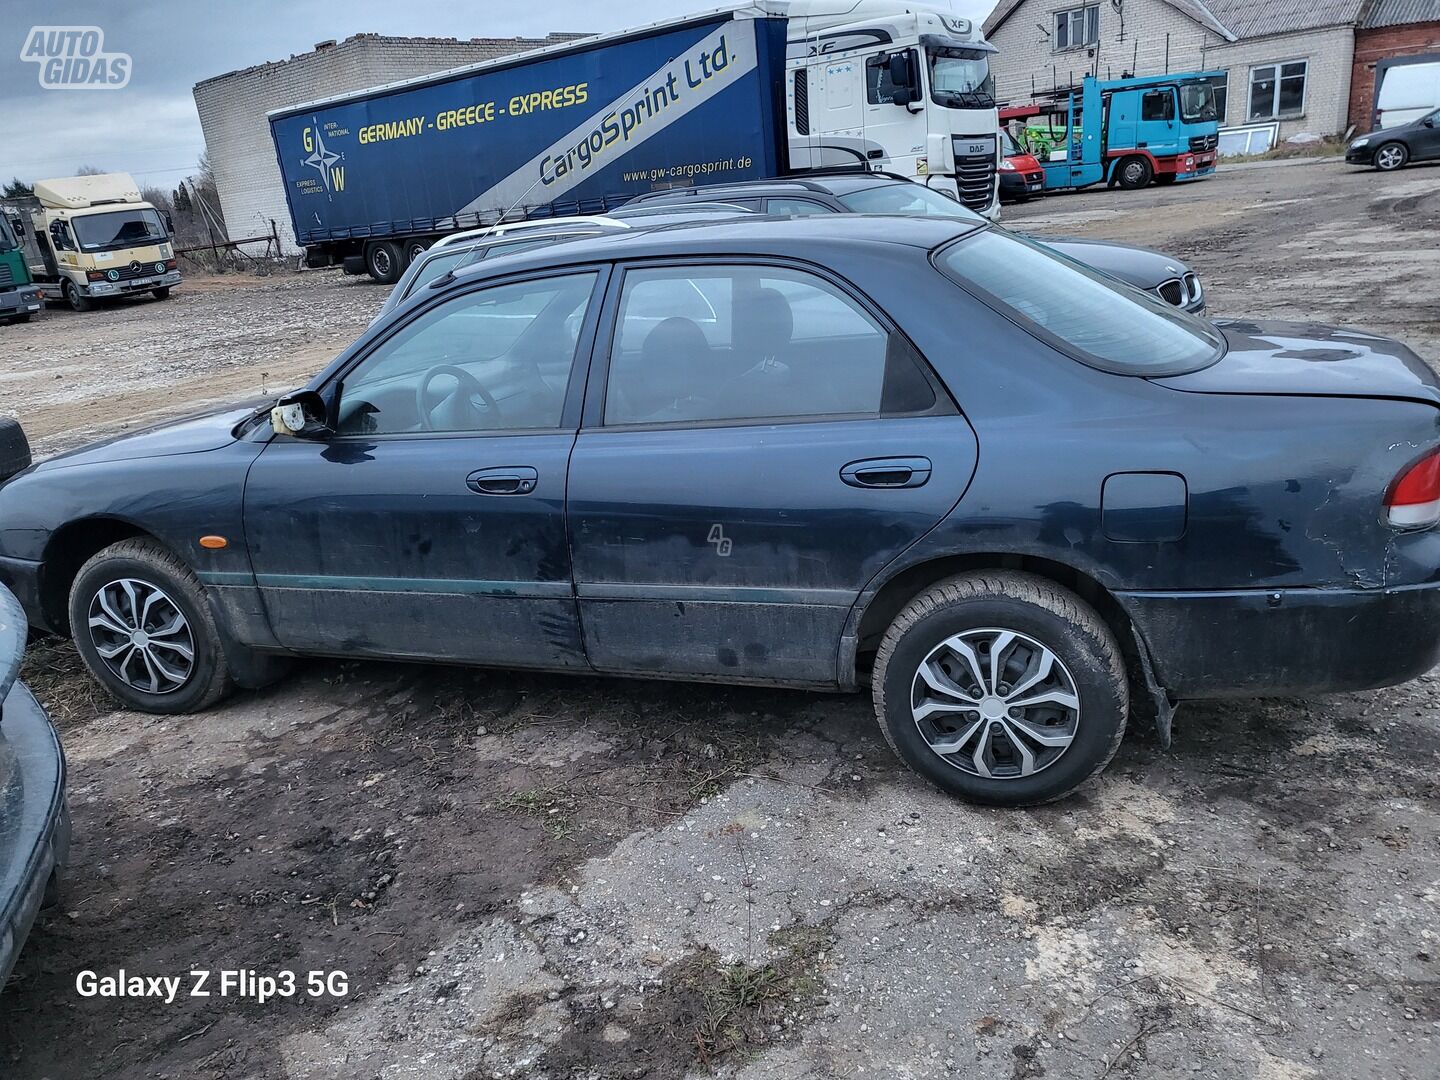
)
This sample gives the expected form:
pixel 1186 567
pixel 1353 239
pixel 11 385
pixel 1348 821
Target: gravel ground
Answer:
pixel 547 877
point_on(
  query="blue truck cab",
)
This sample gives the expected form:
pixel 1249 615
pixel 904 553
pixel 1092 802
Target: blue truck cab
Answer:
pixel 1125 132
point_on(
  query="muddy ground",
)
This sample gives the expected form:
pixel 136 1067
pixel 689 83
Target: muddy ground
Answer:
pixel 550 877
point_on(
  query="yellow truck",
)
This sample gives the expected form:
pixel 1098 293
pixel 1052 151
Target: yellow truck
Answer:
pixel 95 238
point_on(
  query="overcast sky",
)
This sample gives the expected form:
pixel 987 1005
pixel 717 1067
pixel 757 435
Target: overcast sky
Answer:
pixel 149 128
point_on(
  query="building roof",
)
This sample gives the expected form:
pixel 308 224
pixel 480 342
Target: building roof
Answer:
pixel 1236 20
pixel 1400 13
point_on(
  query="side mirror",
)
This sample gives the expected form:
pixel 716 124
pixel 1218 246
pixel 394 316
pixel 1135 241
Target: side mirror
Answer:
pixel 169 224
pixel 303 415
pixel 904 95
pixel 899 69
pixel 1429 122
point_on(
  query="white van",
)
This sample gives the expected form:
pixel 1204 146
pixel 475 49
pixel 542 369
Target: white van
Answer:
pixel 1407 92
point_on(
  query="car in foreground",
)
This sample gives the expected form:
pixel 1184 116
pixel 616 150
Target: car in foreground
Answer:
pixel 1388 149
pixel 922 454
pixel 34 817
pixel 864 192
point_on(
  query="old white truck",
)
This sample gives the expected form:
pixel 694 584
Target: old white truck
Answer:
pixel 94 238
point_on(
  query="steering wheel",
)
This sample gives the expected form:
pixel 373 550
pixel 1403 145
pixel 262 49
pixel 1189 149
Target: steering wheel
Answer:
pixel 461 412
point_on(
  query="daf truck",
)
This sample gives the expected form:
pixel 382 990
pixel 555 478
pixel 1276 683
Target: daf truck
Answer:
pixel 93 238
pixel 763 90
pixel 19 297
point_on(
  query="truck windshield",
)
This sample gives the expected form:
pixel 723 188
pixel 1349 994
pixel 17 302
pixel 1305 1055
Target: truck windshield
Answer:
pixel 119 229
pixel 7 237
pixel 1197 102
pixel 1088 315
pixel 960 78
pixel 907 199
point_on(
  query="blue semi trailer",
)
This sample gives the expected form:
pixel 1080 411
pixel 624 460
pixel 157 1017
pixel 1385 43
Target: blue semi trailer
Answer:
pixel 374 177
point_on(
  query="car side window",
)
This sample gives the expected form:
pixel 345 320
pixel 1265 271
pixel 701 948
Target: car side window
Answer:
pixel 497 359
pixel 738 343
pixel 797 207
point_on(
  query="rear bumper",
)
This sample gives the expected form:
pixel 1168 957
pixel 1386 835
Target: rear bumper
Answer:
pixel 34 818
pixel 1256 643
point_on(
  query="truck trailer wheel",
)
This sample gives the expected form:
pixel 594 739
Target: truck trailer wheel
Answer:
pixel 1133 173
pixel 382 259
pixel 414 249
pixel 77 300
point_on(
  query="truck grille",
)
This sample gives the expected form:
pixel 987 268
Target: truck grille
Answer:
pixel 976 180
pixel 136 270
pixel 7 277
pixel 1201 143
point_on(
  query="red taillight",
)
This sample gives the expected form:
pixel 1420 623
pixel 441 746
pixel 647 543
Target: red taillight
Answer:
pixel 1413 501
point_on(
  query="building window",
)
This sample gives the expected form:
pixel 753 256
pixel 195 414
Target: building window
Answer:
pixel 1077 27
pixel 1278 90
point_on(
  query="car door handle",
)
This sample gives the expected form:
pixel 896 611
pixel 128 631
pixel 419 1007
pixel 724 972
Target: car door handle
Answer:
pixel 900 472
pixel 503 480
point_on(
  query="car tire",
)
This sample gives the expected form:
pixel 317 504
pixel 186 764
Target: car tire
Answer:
pixel 383 261
pixel 1133 173
pixel 1391 156
pixel 77 300
pixel 161 294
pixel 1036 617
pixel 414 249
pixel 151 672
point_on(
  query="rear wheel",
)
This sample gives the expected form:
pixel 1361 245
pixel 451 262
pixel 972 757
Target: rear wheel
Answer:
pixel 77 300
pixel 1001 687
pixel 1133 173
pixel 1391 156
pixel 414 249
pixel 143 626
pixel 382 260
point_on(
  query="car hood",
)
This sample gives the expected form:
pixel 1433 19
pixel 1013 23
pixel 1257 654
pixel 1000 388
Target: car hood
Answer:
pixel 1306 359
pixel 1139 266
pixel 207 431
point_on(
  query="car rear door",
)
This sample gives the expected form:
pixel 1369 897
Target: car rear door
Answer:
pixel 432 524
pixel 759 442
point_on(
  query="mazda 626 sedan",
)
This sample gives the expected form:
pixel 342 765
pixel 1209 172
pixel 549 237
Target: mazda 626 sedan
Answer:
pixel 1001 489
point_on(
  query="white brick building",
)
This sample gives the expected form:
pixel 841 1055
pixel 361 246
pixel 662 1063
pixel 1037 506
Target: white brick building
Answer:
pixel 232 109
pixel 1287 62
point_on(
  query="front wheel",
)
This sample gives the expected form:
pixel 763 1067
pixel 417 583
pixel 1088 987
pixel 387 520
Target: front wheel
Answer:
pixel 1002 688
pixel 77 300
pixel 162 293
pixel 1391 156
pixel 143 627
pixel 1134 173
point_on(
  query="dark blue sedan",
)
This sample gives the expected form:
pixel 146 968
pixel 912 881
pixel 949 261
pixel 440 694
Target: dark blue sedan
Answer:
pixel 921 454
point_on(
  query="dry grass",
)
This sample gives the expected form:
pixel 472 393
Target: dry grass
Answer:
pixel 57 677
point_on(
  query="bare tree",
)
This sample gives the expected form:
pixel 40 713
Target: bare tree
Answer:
pixel 90 170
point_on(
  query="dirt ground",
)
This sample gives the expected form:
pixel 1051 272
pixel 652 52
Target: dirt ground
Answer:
pixel 551 877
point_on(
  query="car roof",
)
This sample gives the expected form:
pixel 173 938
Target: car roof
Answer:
pixel 836 183
pixel 755 234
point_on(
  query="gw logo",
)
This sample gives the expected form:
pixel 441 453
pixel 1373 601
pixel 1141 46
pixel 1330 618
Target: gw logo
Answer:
pixel 323 160
pixel 74 58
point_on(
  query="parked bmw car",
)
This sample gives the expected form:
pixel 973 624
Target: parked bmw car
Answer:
pixel 881 193
pixel 922 454
pixel 34 818
pixel 1388 149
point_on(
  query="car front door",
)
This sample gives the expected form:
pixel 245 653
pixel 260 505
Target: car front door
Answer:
pixel 760 443
pixel 431 524
pixel 1427 138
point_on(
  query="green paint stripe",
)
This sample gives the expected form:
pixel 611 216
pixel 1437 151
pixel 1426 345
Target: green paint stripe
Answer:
pixel 466 586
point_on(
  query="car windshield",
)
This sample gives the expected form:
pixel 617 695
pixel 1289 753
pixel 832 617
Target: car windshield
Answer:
pixel 911 200
pixel 1008 146
pixel 119 229
pixel 1197 102
pixel 960 78
pixel 1092 317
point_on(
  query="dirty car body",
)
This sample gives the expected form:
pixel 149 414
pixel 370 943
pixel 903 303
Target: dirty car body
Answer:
pixel 34 817
pixel 756 452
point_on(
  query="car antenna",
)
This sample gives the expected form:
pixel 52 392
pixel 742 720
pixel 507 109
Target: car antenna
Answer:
pixel 449 275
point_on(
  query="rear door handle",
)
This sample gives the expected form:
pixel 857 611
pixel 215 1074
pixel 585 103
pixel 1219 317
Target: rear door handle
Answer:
pixel 503 480
pixel 900 472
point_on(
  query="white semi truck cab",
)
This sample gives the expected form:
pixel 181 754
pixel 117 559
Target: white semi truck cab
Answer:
pixel 95 238
pixel 895 86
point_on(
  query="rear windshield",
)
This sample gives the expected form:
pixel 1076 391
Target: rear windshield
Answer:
pixel 910 200
pixel 1093 317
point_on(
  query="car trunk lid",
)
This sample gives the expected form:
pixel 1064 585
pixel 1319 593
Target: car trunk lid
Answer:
pixel 1308 360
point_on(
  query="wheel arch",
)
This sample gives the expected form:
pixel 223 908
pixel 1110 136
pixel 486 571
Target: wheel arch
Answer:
pixel 69 548
pixel 879 611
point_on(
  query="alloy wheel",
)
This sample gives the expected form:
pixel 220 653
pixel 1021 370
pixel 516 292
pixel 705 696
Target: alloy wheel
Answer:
pixel 142 636
pixel 1390 157
pixel 995 703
